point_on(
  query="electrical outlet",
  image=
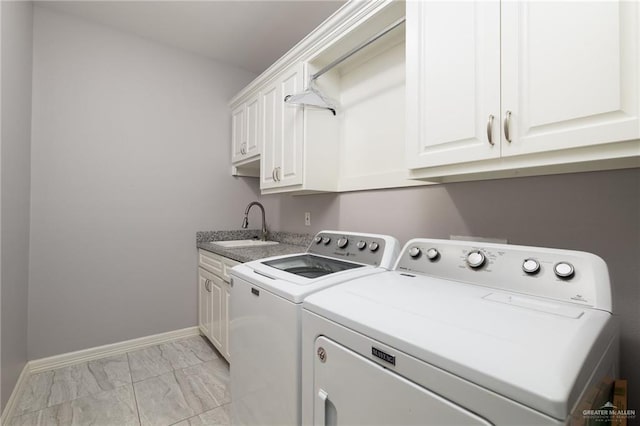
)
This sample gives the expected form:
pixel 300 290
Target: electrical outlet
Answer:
pixel 307 218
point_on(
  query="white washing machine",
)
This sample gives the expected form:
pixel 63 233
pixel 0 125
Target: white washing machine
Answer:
pixel 462 333
pixel 265 328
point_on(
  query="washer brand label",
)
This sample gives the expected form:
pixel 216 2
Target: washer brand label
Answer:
pixel 383 356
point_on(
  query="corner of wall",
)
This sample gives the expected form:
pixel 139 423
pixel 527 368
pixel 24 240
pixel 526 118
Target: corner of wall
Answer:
pixel 16 60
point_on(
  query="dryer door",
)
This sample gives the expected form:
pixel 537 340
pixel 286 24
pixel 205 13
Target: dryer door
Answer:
pixel 352 390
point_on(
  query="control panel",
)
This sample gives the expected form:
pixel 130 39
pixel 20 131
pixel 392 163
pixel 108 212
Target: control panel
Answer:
pixel 369 249
pixel 570 276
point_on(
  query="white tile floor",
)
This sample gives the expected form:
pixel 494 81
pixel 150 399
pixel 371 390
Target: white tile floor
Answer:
pixel 183 383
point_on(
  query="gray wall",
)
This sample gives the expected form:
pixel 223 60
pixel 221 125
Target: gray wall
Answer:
pixel 16 39
pixel 596 212
pixel 130 157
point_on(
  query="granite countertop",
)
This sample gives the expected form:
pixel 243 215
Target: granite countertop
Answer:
pixel 290 243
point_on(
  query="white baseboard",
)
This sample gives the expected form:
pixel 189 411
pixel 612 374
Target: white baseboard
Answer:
pixel 17 390
pixel 77 357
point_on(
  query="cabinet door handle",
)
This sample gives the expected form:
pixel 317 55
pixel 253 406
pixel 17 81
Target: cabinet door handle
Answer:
pixel 273 174
pixel 507 124
pixel 278 173
pixel 490 129
pixel 207 285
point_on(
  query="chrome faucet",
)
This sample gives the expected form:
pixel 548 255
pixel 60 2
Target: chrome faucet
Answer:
pixel 245 221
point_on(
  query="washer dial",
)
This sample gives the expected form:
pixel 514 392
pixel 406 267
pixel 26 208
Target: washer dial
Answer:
pixel 531 266
pixel 475 259
pixel 564 270
pixel 414 252
pixel 342 242
pixel 433 254
pixel 373 246
pixel 326 240
pixel 361 244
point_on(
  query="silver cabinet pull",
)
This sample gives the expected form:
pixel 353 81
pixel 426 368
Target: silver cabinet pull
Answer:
pixel 490 129
pixel 507 124
pixel 273 174
pixel 278 173
pixel 207 285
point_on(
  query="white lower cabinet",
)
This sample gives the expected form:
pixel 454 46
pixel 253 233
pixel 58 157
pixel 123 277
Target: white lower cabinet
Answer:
pixel 226 302
pixel 204 302
pixel 213 299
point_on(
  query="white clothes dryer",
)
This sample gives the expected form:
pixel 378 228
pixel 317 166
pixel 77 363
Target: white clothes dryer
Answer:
pixel 462 333
pixel 265 328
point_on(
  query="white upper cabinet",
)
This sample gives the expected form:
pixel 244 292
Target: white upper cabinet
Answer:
pixel 238 118
pixel 244 130
pixel 453 82
pixel 290 162
pixel 282 132
pixel 252 125
pixel 569 74
pixel 305 149
pixel 521 88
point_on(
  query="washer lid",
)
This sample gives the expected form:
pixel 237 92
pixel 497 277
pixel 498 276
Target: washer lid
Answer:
pixel 291 286
pixel 538 352
pixel 310 266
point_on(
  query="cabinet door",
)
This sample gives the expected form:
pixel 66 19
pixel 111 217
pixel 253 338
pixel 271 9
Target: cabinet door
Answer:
pixel 270 134
pixel 569 74
pixel 252 127
pixel 282 131
pixel 453 82
pixel 217 298
pixel 238 129
pixel 225 318
pixel 204 302
pixel 291 159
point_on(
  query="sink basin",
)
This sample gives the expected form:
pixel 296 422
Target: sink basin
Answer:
pixel 244 243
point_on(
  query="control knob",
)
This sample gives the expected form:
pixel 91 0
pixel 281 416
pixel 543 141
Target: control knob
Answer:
pixel 414 252
pixel 373 246
pixel 326 240
pixel 564 270
pixel 433 254
pixel 475 259
pixel 317 239
pixel 531 266
pixel 361 244
pixel 342 242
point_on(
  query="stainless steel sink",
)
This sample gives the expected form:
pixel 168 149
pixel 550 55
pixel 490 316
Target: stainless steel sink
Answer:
pixel 244 243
